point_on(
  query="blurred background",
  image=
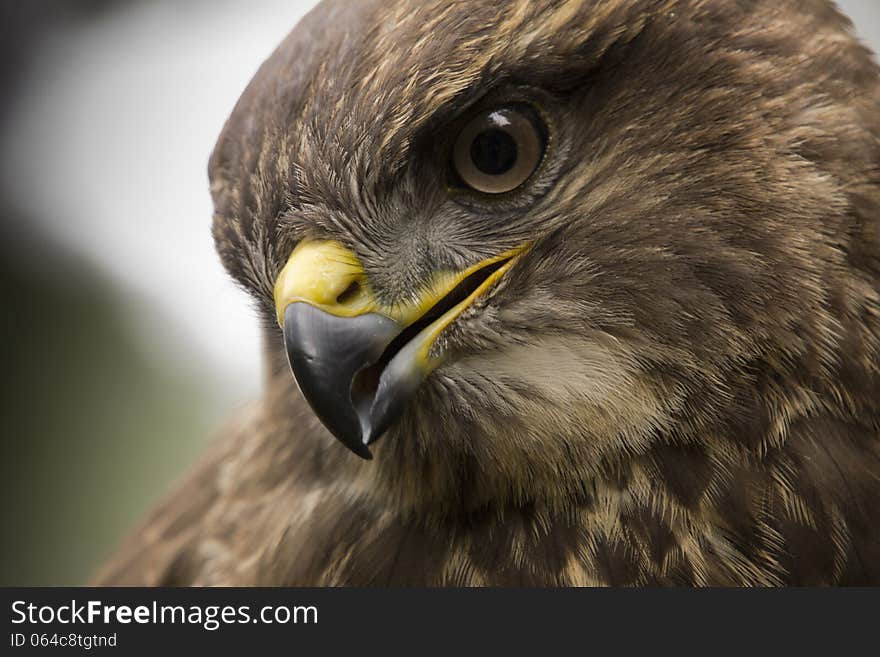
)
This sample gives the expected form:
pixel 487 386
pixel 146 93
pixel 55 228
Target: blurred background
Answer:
pixel 123 342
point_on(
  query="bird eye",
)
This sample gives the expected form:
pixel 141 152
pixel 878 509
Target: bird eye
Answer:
pixel 499 149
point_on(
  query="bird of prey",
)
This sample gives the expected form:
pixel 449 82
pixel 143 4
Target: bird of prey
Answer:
pixel 556 292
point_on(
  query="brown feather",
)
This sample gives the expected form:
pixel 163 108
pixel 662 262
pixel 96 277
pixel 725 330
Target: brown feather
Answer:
pixel 680 384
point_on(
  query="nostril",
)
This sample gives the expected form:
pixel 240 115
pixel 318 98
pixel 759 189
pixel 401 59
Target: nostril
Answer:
pixel 349 293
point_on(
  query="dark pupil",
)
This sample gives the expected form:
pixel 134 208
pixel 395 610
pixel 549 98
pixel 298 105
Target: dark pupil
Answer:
pixel 493 152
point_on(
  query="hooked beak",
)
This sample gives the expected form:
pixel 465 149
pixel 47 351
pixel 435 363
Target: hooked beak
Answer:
pixel 356 361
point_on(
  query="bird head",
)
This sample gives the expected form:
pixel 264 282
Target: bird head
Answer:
pixel 524 243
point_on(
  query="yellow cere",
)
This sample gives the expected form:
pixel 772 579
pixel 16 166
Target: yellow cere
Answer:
pixel 318 273
pixel 329 276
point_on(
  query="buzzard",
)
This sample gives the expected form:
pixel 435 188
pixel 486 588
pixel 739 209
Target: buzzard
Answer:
pixel 573 292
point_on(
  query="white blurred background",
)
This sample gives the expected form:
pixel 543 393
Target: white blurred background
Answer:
pixel 108 142
pixel 103 157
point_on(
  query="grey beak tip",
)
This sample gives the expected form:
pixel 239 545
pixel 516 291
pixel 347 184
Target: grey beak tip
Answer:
pixel 325 353
pixel 371 437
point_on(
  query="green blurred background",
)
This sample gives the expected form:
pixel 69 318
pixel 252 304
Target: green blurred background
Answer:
pixel 123 343
pixel 94 425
